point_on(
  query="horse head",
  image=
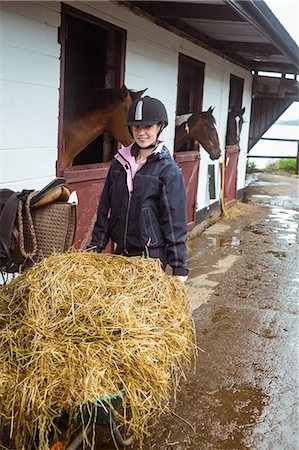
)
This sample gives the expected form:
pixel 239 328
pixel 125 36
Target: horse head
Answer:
pixel 200 127
pixel 234 125
pixel 97 111
pixel 117 125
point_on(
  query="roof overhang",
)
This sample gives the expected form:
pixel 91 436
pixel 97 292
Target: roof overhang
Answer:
pixel 245 32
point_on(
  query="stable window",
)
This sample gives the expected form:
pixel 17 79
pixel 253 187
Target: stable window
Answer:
pixel 92 58
pixel 189 92
pixel 236 86
pixel 235 112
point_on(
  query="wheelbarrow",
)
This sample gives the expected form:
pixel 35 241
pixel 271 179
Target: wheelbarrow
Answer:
pixel 103 414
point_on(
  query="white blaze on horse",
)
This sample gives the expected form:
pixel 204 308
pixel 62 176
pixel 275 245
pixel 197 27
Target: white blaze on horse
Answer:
pixel 200 127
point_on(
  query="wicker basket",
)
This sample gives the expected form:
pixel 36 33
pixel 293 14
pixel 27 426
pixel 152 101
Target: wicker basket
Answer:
pixel 54 227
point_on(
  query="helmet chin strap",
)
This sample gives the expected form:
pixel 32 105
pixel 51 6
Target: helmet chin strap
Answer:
pixel 153 146
pixel 136 149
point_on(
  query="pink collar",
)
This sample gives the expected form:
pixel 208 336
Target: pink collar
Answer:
pixel 125 152
pixel 127 160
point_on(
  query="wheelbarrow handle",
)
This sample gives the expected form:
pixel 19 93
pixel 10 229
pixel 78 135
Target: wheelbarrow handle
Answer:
pixel 78 439
pixel 118 437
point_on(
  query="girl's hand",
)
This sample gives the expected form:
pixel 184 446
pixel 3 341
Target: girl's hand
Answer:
pixel 182 278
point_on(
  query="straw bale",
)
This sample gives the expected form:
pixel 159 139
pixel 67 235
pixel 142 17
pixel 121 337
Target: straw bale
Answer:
pixel 80 326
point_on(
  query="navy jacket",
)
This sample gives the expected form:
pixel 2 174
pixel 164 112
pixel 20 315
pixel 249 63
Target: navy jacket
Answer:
pixel 147 209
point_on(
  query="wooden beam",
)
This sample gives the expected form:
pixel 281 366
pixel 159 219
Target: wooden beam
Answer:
pixel 181 25
pixel 185 10
pixel 269 66
pixel 248 47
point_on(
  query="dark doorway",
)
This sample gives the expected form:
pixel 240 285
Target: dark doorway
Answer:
pixel 236 86
pixel 93 58
pixel 190 85
pixel 235 113
pixel 232 148
pixel 190 91
pixel 189 100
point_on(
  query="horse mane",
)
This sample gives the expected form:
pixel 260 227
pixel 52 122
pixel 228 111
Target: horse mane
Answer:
pixel 91 100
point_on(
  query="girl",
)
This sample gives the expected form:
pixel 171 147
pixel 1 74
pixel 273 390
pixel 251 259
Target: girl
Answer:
pixel 143 203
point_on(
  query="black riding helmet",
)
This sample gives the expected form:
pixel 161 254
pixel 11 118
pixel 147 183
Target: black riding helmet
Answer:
pixel 147 111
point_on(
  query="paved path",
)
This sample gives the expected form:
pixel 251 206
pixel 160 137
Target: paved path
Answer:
pixel 243 289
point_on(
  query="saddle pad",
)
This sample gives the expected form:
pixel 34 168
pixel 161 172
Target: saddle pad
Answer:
pixel 55 227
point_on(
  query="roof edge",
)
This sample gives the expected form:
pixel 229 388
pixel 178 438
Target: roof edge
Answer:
pixel 261 16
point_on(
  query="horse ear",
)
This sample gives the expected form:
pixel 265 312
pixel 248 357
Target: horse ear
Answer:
pixel 140 93
pixel 124 91
pixel 135 95
pixel 211 109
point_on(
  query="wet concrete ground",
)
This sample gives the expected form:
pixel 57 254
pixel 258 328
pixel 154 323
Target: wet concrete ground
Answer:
pixel 243 288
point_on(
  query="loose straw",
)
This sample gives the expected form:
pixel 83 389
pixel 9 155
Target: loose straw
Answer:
pixel 80 326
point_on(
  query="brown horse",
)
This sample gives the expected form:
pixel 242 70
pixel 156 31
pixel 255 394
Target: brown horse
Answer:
pixel 97 112
pixel 201 128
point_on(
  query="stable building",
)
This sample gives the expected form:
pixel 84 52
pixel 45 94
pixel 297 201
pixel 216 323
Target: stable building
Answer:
pixel 191 55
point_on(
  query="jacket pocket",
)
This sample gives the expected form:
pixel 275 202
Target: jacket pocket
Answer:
pixel 146 212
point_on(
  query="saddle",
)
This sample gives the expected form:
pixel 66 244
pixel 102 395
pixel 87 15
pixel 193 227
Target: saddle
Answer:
pixel 34 224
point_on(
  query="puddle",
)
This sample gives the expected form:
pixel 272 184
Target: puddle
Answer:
pixel 287 223
pixel 261 196
pixel 216 240
pixel 284 202
pixel 223 241
pixel 236 410
pixel 200 287
pixel 217 228
pixel 269 183
pixel 250 178
pixel 290 238
pixel 285 216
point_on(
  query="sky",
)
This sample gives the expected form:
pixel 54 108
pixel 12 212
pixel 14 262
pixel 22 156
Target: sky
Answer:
pixel 287 12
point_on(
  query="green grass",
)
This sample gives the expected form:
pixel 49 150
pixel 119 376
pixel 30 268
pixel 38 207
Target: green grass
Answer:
pixel 282 165
pixel 250 165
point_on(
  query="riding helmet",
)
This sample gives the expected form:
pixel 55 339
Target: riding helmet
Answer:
pixel 147 111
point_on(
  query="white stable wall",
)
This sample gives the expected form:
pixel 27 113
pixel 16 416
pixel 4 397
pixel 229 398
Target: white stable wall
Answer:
pixel 29 86
pixel 30 81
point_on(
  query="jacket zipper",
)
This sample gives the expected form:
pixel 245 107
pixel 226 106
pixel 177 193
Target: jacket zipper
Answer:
pixel 128 209
pixel 127 223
